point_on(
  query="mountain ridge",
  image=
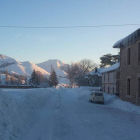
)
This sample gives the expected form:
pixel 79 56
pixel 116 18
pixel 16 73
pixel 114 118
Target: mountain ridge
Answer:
pixel 26 67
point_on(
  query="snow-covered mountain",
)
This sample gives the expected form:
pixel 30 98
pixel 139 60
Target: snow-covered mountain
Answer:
pixel 5 60
pixel 26 68
pixel 22 68
pixel 53 64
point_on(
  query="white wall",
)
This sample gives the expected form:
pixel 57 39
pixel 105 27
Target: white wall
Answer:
pixel 109 83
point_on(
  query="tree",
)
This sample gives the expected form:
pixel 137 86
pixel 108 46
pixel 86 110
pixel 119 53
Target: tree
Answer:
pixel 108 59
pixel 26 80
pixel 87 65
pixel 12 80
pixel 39 77
pixel 21 78
pixel 7 76
pixel 81 79
pixel 72 72
pixel 53 79
pixel 33 79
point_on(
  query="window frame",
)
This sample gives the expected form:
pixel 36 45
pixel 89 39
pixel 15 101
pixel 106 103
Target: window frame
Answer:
pixel 128 56
pixel 128 87
pixel 138 87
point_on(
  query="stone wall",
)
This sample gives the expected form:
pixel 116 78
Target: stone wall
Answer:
pixel 131 71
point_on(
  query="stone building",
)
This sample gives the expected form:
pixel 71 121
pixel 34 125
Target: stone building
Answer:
pixel 130 67
pixel 110 83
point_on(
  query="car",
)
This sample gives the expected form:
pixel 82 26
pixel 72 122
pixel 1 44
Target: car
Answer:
pixel 96 97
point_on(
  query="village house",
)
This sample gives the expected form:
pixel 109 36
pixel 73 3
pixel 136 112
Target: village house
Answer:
pixel 95 77
pixel 110 79
pixel 130 67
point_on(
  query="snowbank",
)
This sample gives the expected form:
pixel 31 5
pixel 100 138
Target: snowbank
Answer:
pixel 114 102
pixel 111 101
pixel 17 108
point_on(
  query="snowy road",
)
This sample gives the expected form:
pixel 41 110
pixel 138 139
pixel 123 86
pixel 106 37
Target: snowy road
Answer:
pixel 68 115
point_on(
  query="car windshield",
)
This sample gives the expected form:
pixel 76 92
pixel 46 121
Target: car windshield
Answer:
pixel 98 94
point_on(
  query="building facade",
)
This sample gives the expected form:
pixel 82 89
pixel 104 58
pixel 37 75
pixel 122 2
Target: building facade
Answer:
pixel 110 83
pixel 130 67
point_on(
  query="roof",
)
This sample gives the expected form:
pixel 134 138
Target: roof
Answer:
pixel 128 40
pixel 111 68
pixel 96 73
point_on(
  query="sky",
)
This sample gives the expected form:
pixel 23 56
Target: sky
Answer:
pixel 67 44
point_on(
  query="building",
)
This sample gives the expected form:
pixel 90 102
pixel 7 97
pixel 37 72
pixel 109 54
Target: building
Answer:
pixel 95 77
pixel 130 67
pixel 110 79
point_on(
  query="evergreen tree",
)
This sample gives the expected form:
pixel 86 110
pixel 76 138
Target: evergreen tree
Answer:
pixel 33 79
pixel 53 79
pixel 108 59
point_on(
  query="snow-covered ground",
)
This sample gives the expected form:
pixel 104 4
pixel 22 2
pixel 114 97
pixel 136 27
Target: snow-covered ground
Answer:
pixel 65 114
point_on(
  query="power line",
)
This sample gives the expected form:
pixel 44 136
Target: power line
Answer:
pixel 59 27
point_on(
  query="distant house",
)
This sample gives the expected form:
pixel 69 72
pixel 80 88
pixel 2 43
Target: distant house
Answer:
pixel 110 79
pixel 130 67
pixel 95 77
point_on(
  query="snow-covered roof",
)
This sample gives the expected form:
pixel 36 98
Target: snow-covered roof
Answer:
pixel 111 68
pixel 96 73
pixel 128 40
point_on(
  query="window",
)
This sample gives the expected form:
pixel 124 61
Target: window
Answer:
pixel 128 56
pixel 108 77
pixel 104 76
pixel 128 86
pixel 139 52
pixel 98 94
pixel 139 87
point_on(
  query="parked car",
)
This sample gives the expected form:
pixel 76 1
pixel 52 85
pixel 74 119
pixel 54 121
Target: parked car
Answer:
pixel 96 97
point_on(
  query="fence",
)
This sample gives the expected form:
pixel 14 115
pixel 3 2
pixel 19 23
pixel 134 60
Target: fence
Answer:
pixel 17 87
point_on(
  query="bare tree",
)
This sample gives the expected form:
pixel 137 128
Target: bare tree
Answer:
pixel 7 76
pixel 12 80
pixel 73 71
pixel 40 77
pixel 88 65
